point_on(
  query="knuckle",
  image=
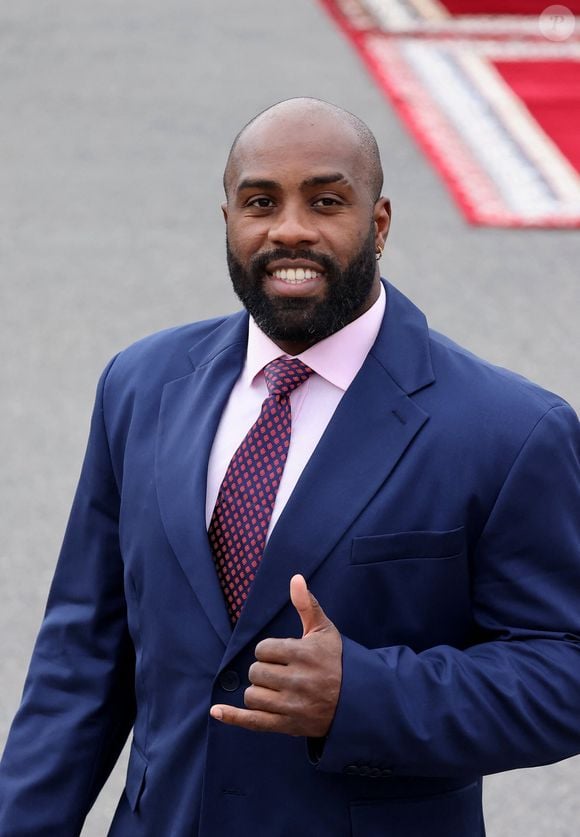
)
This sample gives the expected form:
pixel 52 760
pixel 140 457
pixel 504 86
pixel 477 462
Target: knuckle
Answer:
pixel 293 682
pixel 289 647
pixel 259 649
pixel 300 653
pixel 254 721
pixel 267 679
pixel 250 697
pixel 229 716
pixel 264 649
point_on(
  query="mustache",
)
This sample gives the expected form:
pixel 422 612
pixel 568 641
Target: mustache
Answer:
pixel 258 263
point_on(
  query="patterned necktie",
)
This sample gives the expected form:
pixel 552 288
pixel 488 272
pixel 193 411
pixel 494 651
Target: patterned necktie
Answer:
pixel 241 517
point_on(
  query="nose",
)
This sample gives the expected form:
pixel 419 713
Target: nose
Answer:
pixel 292 227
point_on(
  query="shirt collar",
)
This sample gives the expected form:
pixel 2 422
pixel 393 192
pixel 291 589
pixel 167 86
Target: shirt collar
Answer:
pixel 337 358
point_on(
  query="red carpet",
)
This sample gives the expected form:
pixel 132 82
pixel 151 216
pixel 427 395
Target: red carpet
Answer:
pixel 504 7
pixel 492 100
pixel 551 92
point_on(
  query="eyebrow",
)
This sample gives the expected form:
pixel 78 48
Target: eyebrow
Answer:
pixel 317 180
pixel 325 179
pixel 257 183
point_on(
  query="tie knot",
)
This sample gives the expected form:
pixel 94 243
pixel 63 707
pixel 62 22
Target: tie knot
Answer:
pixel 284 374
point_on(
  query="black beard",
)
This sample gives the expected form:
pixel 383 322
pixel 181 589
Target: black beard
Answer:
pixel 305 320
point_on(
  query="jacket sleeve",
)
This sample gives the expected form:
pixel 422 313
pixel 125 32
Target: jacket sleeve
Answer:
pixel 78 701
pixel 513 699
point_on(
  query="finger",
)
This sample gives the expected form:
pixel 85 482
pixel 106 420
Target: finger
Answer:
pixel 312 616
pixel 279 651
pixel 265 700
pixel 252 719
pixel 269 675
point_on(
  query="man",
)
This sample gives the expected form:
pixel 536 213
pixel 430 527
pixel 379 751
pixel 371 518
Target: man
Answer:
pixel 327 445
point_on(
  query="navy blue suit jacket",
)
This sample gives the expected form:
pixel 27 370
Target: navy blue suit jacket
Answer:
pixel 438 524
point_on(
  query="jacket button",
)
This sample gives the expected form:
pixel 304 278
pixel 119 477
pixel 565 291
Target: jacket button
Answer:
pixel 229 680
pixel 351 769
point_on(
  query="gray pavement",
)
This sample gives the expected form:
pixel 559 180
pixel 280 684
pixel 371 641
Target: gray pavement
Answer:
pixel 116 119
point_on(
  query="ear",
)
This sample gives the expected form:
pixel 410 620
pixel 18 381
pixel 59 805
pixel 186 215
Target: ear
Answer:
pixel 382 219
pixel 225 211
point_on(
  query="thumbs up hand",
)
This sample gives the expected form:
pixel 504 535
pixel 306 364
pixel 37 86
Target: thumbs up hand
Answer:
pixel 312 616
pixel 295 683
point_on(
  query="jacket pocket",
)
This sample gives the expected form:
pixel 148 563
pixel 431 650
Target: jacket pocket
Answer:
pixel 136 771
pixel 454 814
pixel 399 546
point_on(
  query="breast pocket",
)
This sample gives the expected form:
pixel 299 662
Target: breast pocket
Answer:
pixel 408 546
pixel 414 588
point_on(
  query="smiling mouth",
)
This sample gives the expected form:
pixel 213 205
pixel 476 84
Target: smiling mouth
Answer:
pixel 296 276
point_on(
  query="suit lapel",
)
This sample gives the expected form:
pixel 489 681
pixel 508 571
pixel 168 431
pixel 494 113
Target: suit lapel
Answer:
pixel 373 426
pixel 189 415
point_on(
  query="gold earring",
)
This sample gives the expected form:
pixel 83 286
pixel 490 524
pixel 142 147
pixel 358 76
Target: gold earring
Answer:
pixel 379 252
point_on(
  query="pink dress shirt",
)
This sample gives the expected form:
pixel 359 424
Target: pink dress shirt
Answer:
pixel 335 361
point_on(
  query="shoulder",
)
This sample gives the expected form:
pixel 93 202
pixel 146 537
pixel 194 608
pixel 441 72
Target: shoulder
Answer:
pixel 167 355
pixel 475 408
pixel 488 410
pixel 472 378
pixel 166 346
pixel 448 379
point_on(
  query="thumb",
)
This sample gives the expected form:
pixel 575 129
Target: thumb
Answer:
pixel 312 616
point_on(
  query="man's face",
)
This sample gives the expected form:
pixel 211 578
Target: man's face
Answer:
pixel 302 229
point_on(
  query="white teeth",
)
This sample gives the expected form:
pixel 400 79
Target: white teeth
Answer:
pixel 295 276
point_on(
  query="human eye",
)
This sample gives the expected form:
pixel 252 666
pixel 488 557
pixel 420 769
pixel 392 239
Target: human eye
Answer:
pixel 327 201
pixel 259 202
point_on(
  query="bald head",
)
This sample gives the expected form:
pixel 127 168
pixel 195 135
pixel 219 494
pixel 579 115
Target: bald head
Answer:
pixel 304 119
